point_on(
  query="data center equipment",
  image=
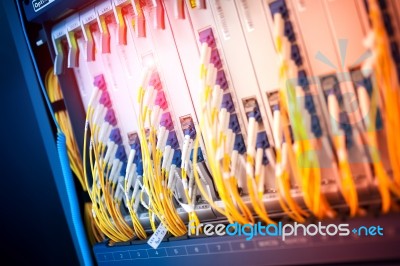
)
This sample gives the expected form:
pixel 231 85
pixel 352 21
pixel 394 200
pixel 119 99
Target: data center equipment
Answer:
pixel 172 115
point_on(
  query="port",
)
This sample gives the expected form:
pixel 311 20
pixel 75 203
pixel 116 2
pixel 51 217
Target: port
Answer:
pixel 302 80
pixel 279 6
pixel 207 36
pixel 177 159
pixel 316 126
pixel 309 103
pixel 273 100
pixel 295 55
pixel 115 136
pixel 105 99
pixel 234 123
pixel 188 127
pixel 133 140
pixel 100 82
pixel 110 117
pixel 346 127
pixel 239 144
pixel 330 84
pixel 121 154
pixel 252 109
pixel 200 156
pixel 221 80
pixel 227 103
pixel 215 59
pixel 262 140
pixel 359 80
pixel 155 81
pixel 161 100
pixel 172 140
pixel 289 32
pixel 166 121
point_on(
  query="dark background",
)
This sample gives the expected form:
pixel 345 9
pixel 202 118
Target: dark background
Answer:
pixel 34 229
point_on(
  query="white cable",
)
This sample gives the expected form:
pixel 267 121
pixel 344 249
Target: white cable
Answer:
pixel 277 125
pixel 363 99
pixel 333 108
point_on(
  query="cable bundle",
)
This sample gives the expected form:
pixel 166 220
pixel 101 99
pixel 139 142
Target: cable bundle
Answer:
pixel 385 84
pixel 302 156
pixel 223 161
pixel 106 156
pixel 55 95
pixel 160 164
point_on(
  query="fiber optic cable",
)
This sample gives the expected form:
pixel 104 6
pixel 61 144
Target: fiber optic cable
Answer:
pixel 106 167
pixel 155 181
pixel 386 80
pixel 303 160
pixel 218 142
pixel 347 185
pixel 54 93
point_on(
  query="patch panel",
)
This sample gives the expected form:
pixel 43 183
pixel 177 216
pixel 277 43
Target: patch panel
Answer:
pixel 250 85
pixel 221 17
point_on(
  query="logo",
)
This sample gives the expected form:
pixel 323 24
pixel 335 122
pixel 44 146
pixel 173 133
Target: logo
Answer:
pixel 40 4
pixel 283 230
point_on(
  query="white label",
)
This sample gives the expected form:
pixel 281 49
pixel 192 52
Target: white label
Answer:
pixel 119 2
pixel 104 7
pixel 247 16
pixel 88 16
pixel 73 23
pixel 40 4
pixel 157 237
pixel 222 20
pixel 59 31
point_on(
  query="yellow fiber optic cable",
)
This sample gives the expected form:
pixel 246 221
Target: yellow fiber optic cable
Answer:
pixel 55 94
pixel 388 84
pixel 305 156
